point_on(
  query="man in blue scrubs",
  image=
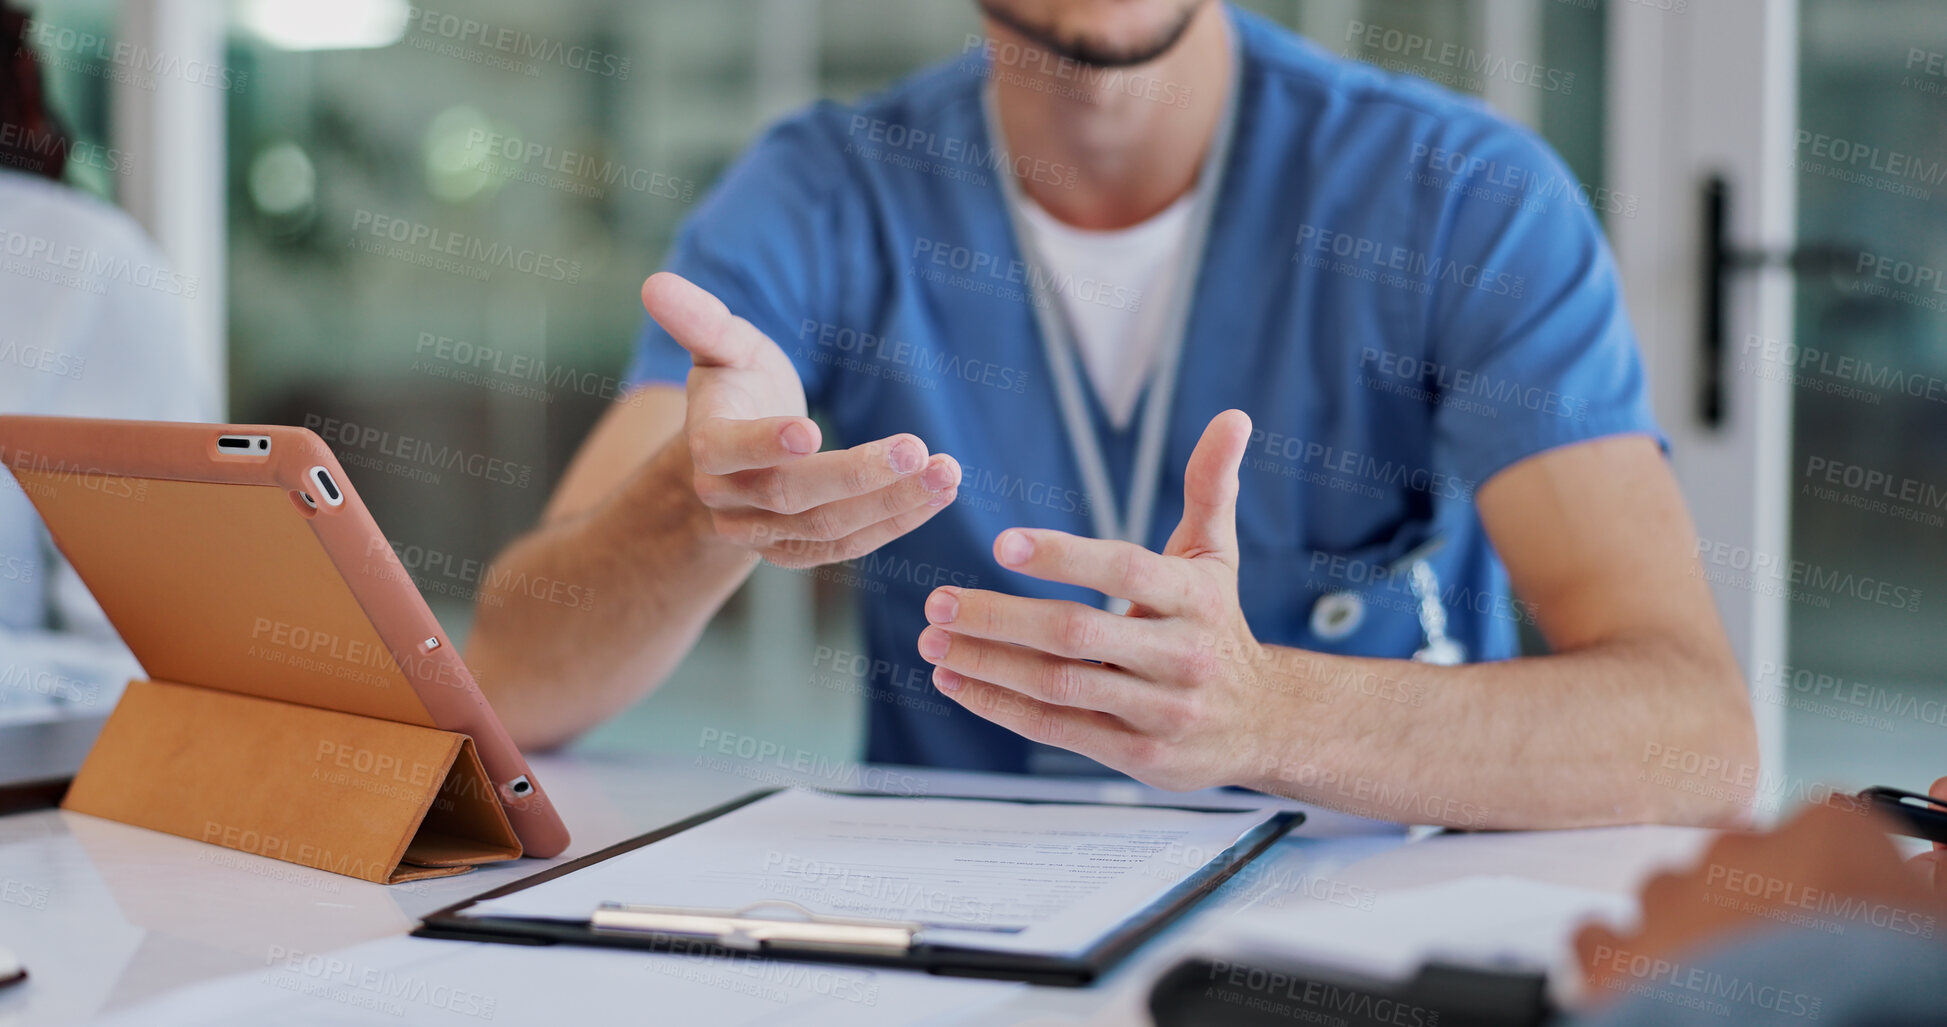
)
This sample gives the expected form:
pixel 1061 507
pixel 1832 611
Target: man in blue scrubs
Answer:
pixel 1185 382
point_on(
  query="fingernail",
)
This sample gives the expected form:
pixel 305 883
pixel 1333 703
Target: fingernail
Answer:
pixel 1015 548
pixel 938 476
pixel 906 456
pixel 941 499
pixel 948 681
pixel 797 438
pixel 933 644
pixel 942 606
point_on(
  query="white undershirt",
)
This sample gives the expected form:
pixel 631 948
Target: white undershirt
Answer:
pixel 1112 287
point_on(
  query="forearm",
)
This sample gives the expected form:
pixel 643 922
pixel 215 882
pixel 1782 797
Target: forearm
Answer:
pixel 1574 739
pixel 584 616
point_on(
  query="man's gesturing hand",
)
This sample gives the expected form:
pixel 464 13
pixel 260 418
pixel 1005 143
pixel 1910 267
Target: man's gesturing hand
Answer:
pixel 755 453
pixel 1164 694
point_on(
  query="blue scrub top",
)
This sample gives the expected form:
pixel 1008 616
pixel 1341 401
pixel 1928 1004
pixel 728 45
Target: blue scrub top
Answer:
pixel 1405 292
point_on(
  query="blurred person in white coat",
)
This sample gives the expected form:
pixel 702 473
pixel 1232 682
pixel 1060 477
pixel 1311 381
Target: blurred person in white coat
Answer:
pixel 91 325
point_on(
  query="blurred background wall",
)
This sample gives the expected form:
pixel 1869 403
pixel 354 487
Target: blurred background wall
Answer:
pixel 561 144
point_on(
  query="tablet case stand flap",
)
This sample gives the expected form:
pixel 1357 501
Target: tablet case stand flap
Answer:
pixel 373 799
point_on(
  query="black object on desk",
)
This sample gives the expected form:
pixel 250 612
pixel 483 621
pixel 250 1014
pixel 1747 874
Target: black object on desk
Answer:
pixel 1913 814
pixel 1204 992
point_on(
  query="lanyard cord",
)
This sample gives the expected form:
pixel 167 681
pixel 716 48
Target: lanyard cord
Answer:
pixel 1057 334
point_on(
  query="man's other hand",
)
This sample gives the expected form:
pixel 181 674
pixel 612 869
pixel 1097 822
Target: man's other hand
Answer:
pixel 1170 693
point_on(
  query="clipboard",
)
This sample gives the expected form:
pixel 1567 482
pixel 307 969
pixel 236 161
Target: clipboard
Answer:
pixel 759 931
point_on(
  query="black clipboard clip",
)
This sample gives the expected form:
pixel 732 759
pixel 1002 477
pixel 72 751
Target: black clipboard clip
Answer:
pixel 745 931
pixel 1913 814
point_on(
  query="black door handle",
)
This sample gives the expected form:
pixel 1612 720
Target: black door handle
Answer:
pixel 1721 262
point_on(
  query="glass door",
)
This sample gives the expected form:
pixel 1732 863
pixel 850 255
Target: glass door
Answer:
pixel 1864 689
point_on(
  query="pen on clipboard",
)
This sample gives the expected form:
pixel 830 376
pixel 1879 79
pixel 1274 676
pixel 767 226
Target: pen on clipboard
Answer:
pixel 11 970
pixel 746 930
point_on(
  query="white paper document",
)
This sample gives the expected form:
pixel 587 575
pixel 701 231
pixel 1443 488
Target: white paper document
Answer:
pixel 1484 920
pixel 996 875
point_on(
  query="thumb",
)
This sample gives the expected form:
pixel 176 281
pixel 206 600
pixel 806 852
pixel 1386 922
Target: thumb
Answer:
pixel 1594 945
pixel 1209 525
pixel 700 322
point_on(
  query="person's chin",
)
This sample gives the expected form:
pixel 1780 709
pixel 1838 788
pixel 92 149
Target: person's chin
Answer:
pixel 1106 34
pixel 1118 37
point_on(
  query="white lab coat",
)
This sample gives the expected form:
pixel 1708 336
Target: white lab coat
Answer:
pixel 91 324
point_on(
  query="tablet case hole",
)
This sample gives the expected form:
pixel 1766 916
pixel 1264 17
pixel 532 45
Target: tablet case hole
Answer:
pixel 326 486
pixel 243 445
pixel 304 503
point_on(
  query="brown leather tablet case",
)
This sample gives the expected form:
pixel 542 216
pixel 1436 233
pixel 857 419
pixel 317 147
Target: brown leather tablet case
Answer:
pixel 368 798
pixel 278 720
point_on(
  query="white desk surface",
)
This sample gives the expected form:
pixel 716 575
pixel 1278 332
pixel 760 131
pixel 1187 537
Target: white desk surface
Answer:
pixel 106 916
